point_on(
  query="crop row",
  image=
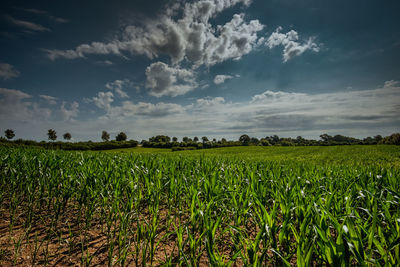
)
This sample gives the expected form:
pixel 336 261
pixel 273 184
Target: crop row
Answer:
pixel 120 209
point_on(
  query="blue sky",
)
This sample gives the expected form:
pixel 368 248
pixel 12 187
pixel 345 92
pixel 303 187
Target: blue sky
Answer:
pixel 219 68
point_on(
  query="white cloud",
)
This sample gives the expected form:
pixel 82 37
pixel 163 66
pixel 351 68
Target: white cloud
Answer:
pixel 14 106
pixel 289 41
pixel 171 81
pixel 72 112
pixel 161 109
pixel 50 99
pixel 275 96
pixel 185 33
pixel 7 71
pixel 190 37
pixel 118 86
pixel 391 83
pixel 105 62
pixel 222 78
pixel 103 100
pixel 85 49
pixel 359 113
pixel 27 24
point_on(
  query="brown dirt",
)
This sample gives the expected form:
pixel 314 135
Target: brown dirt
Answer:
pixel 71 242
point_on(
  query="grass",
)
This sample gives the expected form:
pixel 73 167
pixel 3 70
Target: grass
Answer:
pixel 357 154
pixel 241 205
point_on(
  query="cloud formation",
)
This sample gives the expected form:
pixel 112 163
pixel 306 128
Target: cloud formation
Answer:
pixel 222 78
pixel 163 80
pixel 118 86
pixel 71 113
pixel 290 42
pixel 186 34
pixel 7 71
pixel 130 109
pixel 27 24
pixel 359 113
pixel 50 99
pixel 15 107
pixel 103 100
pixel 190 36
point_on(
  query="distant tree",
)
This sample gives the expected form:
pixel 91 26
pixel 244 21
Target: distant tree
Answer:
pixel 185 139
pixel 244 139
pixel 264 142
pixel 254 141
pixel 121 137
pixel 325 137
pixel 196 139
pixel 160 139
pixel 204 139
pixel 67 136
pixel 174 139
pixel 52 134
pixel 223 140
pixel 9 134
pixel 275 139
pixel 378 138
pixel 393 139
pixel 105 136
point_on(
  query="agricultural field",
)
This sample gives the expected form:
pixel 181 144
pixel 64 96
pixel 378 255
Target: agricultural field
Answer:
pixel 238 206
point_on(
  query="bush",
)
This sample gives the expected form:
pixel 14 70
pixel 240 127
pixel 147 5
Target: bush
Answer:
pixel 179 148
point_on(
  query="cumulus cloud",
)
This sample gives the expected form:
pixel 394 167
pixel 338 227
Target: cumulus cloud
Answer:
pixel 190 36
pixel 103 100
pixel 390 84
pixel 186 34
pixel 15 106
pixel 118 86
pixel 275 96
pixel 50 99
pixel 7 71
pixel 359 113
pixel 162 80
pixel 72 112
pixel 290 42
pixel 222 78
pixel 27 24
pixel 161 109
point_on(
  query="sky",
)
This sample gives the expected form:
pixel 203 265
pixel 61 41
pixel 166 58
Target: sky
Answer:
pixel 215 68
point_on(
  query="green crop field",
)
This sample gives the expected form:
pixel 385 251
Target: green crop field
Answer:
pixel 239 206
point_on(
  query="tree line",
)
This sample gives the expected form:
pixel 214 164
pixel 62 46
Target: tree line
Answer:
pixel 119 142
pixel 164 141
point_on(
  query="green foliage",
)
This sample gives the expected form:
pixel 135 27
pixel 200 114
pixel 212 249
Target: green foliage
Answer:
pixel 244 139
pixel 67 136
pixel 251 206
pixel 121 137
pixel 105 136
pixel 69 145
pixel 178 148
pixel 9 134
pixel 393 139
pixel 52 134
